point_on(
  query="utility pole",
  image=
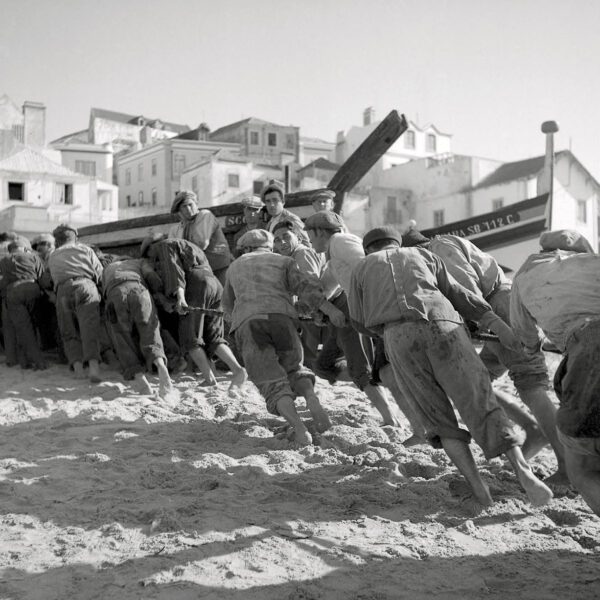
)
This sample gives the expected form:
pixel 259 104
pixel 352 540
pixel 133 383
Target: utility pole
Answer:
pixel 549 128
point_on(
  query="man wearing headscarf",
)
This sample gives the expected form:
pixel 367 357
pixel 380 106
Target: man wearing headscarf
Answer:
pixel 558 291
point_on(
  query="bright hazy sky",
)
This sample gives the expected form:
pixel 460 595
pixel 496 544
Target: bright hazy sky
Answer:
pixel 487 72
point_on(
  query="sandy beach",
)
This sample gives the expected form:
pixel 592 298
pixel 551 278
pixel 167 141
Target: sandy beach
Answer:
pixel 107 494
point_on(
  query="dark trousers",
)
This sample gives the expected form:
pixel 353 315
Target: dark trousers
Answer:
pixel 21 302
pixel 78 309
pixel 134 326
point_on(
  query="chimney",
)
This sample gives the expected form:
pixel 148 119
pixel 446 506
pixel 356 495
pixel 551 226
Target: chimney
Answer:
pixel 203 131
pixel 34 124
pixel 368 116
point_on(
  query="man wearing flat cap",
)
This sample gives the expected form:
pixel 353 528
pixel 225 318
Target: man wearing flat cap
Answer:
pixel 322 200
pixel 558 291
pixel 258 297
pixel 252 208
pixel 407 296
pixel 479 272
pixel 201 228
pixel 21 273
pixel 344 250
pixel 76 273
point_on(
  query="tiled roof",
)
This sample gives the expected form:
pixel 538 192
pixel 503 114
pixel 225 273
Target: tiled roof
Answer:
pixel 27 160
pixel 520 169
pixel 249 120
pixel 321 163
pixel 111 115
pixel 78 137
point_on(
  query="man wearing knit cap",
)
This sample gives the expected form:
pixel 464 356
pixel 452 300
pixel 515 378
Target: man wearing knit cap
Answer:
pixel 273 195
pixel 252 208
pixel 21 273
pixel 558 291
pixel 345 251
pixel 201 228
pixel 406 295
pixel 258 297
pixel 479 272
pixel 76 273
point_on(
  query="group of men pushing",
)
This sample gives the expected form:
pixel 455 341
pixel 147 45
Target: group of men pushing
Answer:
pixel 300 295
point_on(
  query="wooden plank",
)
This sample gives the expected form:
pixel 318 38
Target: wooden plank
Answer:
pixel 366 155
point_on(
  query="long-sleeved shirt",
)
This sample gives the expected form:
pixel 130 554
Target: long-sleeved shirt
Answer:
pixel 473 269
pixel 558 291
pixel 72 261
pixel 134 269
pixel 204 231
pixel 23 265
pixel 409 284
pixel 308 261
pixel 345 251
pixel 262 283
pixel 176 257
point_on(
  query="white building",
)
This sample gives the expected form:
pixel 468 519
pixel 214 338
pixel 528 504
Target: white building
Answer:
pixel 36 194
pixel 436 192
pixel 416 142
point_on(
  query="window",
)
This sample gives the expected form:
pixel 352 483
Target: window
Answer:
pixel 154 197
pixel 430 143
pixel 497 203
pixel 64 192
pixel 16 190
pixel 409 140
pixel 141 198
pixel 233 180
pixel 153 167
pixel 257 187
pixel 272 139
pixel 393 214
pixel 178 164
pixel 127 176
pixel 290 141
pixel 86 167
pixel 195 184
pixel 438 218
pixel 254 138
pixel 140 172
pixel 106 202
pixel 582 211
pixel 128 200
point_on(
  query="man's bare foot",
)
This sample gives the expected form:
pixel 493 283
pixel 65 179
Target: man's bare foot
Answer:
pixel 209 380
pixel 142 384
pixel 414 440
pixel 481 492
pixel 320 417
pixel 537 492
pixel 78 370
pixel 238 380
pixel 302 437
pixel 535 440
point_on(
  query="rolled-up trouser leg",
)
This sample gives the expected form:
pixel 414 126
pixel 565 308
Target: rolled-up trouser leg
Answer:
pixel 121 330
pixel 67 322
pixel 434 361
pixel 143 313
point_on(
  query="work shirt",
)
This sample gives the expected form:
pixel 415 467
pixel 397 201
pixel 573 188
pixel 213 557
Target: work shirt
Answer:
pixel 475 270
pixel 74 261
pixel 409 284
pixel 261 283
pixel 138 270
pixel 308 261
pixel 558 291
pixel 21 265
pixel 204 231
pixel 345 251
pixel 176 257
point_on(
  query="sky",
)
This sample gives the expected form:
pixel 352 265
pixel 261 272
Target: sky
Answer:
pixel 488 72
